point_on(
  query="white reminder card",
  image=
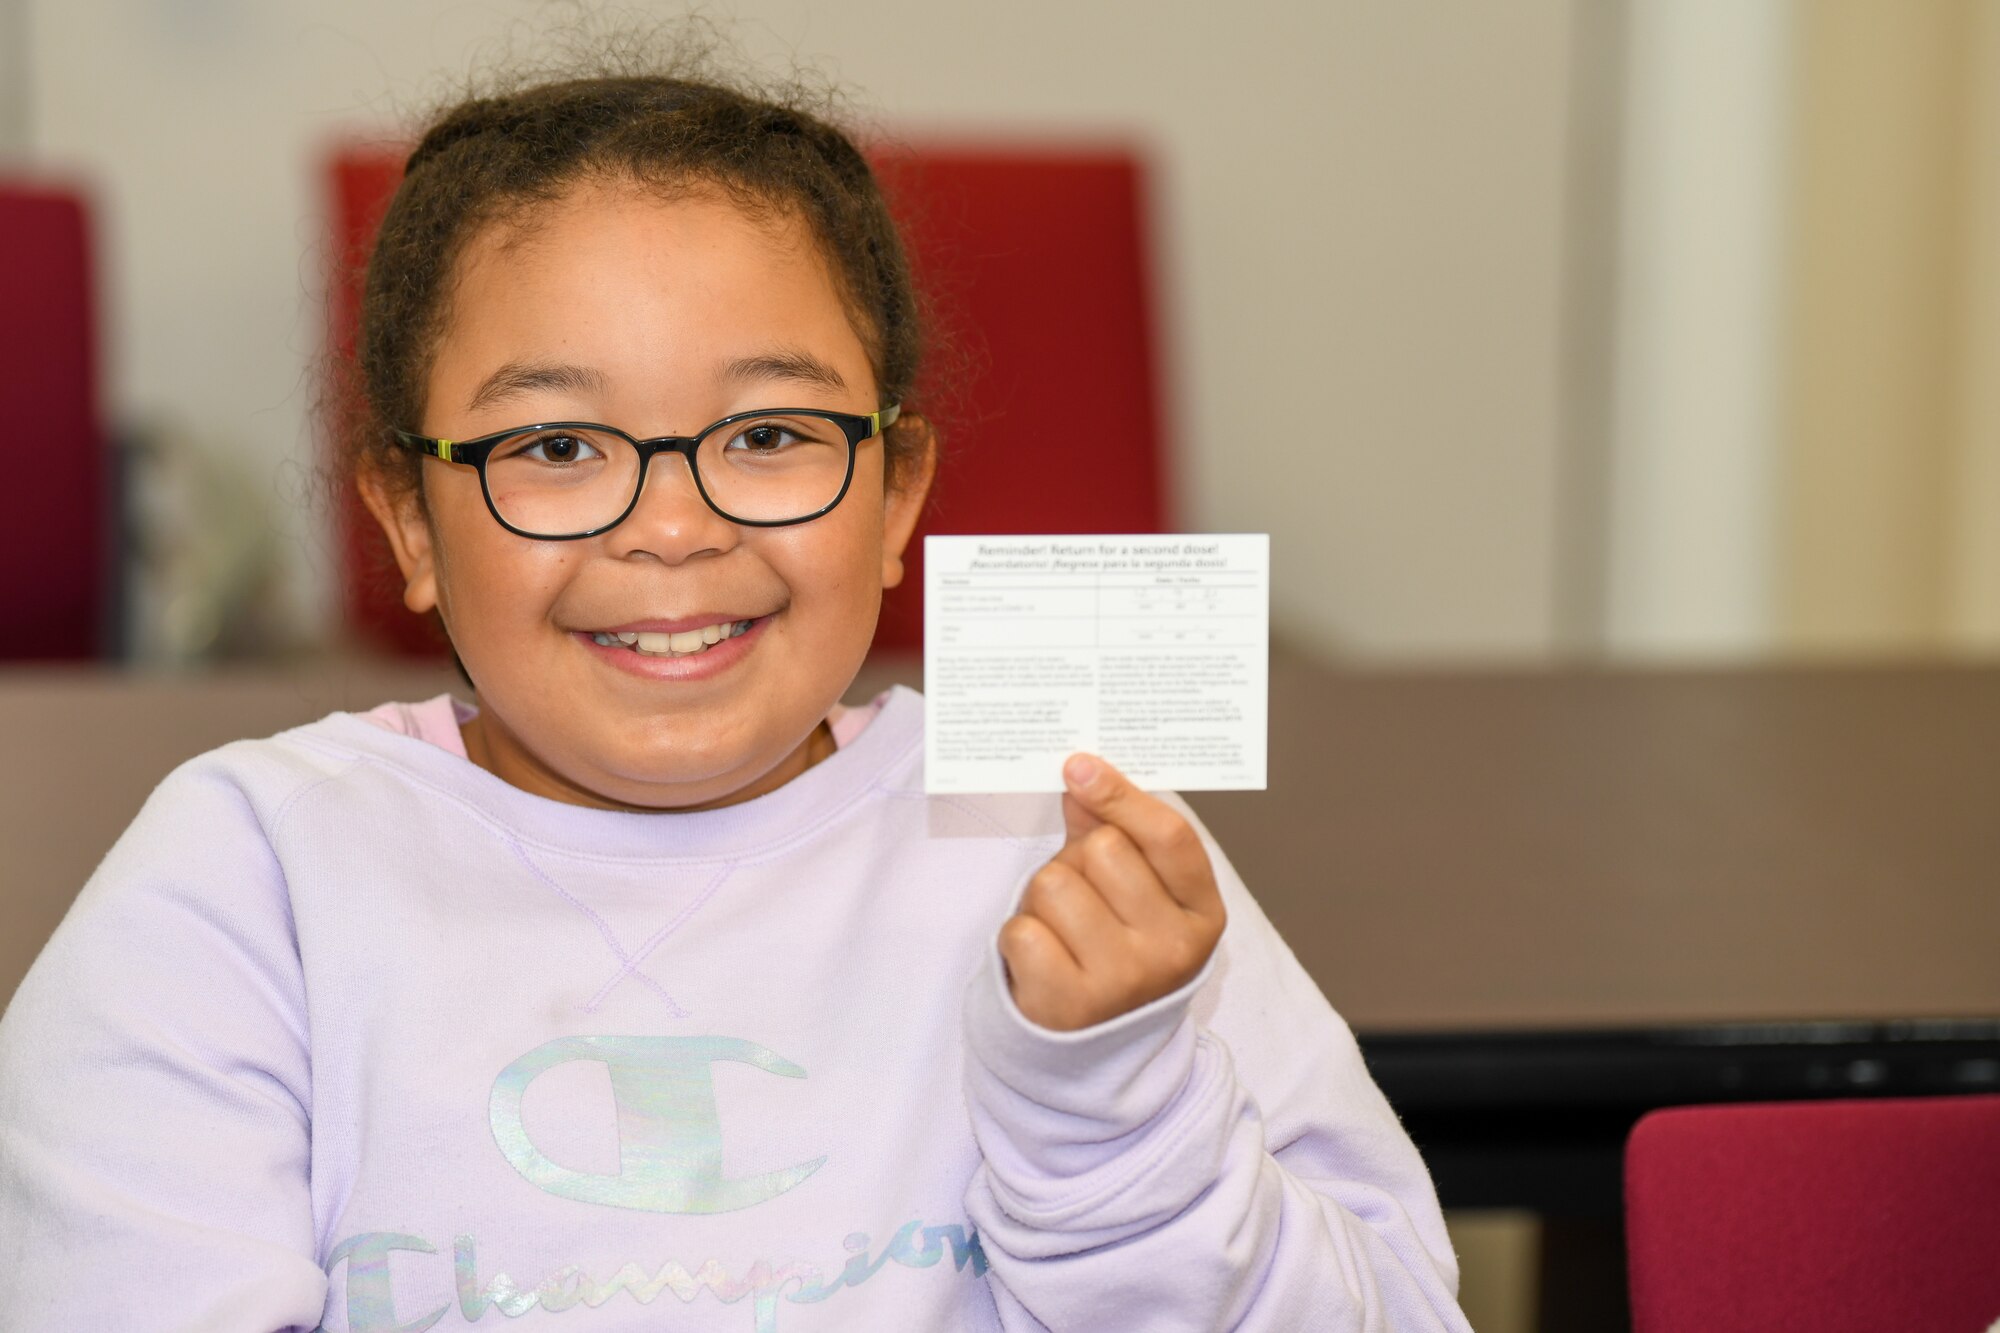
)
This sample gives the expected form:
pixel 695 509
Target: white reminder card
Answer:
pixel 1152 651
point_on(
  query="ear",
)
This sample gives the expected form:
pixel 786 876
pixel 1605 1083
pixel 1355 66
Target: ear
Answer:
pixel 402 518
pixel 905 488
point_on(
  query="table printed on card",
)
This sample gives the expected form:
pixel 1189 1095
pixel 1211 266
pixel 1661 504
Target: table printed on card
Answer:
pixel 1152 651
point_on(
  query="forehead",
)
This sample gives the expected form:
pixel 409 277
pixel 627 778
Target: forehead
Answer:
pixel 638 282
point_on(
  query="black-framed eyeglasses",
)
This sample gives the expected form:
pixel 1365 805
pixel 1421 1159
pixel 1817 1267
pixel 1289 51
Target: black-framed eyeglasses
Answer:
pixel 563 480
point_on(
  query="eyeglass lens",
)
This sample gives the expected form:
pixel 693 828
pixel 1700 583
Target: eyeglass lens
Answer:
pixel 565 480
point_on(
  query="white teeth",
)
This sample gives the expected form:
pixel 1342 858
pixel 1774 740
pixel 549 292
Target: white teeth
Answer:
pixel 681 644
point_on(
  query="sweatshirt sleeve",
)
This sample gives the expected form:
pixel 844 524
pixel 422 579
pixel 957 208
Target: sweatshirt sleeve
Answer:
pixel 1219 1159
pixel 154 1086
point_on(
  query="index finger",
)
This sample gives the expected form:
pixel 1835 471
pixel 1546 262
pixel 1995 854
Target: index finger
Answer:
pixel 1162 834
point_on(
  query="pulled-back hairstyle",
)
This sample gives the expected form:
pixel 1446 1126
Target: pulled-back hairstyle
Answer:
pixel 498 156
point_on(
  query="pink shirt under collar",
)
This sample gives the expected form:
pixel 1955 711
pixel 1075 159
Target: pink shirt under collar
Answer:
pixel 437 720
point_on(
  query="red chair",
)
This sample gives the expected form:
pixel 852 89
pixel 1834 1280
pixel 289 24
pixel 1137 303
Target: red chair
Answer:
pixel 1827 1216
pixel 56 525
pixel 360 182
pixel 1038 269
pixel 1036 266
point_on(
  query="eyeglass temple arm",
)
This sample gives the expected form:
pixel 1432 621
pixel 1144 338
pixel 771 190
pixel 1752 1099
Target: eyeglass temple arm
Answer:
pixel 424 444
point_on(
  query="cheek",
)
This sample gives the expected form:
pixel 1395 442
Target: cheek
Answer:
pixel 860 562
pixel 487 577
pixel 834 573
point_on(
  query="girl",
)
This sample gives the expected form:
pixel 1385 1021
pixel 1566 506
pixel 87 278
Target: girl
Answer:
pixel 650 991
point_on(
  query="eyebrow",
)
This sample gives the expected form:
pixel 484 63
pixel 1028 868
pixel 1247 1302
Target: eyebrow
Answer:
pixel 788 364
pixel 518 378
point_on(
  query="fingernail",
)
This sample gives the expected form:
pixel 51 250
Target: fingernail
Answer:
pixel 1081 770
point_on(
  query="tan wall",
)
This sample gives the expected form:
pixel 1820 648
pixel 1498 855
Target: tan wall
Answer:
pixel 14 93
pixel 1362 207
pixel 1875 283
pixel 1972 499
pixel 1370 253
pixel 1698 331
pixel 1889 540
pixel 1805 451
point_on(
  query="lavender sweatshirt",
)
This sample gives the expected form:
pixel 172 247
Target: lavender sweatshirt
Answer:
pixel 346 1032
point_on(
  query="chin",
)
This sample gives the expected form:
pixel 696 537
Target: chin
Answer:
pixel 680 776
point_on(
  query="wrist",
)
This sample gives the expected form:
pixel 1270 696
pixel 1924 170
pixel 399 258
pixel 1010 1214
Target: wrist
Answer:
pixel 1119 1071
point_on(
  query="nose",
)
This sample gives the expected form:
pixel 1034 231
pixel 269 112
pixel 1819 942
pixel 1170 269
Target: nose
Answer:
pixel 670 522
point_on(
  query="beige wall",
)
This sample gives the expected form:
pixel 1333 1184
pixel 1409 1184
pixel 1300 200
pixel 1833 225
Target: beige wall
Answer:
pixel 1767 421
pixel 1380 291
pixel 1891 534
pixel 1698 328
pixel 1880 199
pixel 1972 495
pixel 1362 206
pixel 14 94
pixel 1805 457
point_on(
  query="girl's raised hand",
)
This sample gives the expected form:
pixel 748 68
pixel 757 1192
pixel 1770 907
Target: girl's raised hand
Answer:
pixel 1126 912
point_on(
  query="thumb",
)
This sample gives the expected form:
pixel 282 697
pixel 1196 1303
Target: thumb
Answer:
pixel 1078 819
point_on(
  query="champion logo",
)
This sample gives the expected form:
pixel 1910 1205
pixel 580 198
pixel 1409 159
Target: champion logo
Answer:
pixel 669 1133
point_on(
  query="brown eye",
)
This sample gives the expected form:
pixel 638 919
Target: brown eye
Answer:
pixel 559 448
pixel 763 438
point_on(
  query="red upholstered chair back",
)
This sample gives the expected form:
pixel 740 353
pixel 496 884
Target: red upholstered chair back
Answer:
pixel 55 516
pixel 360 183
pixel 1038 272
pixel 1044 389
pixel 1829 1216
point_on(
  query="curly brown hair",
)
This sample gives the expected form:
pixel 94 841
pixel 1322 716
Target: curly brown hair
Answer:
pixel 504 153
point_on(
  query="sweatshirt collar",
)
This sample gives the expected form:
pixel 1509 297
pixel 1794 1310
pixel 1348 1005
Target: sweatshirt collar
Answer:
pixel 763 824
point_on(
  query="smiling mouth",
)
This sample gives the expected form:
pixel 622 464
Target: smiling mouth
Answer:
pixel 685 643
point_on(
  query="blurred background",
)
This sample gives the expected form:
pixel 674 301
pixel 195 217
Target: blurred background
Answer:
pixel 1542 336
pixel 1536 330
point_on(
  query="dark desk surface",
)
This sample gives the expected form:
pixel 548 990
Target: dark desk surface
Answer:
pixel 1554 849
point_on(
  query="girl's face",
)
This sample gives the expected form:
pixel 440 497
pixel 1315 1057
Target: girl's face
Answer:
pixel 657 316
